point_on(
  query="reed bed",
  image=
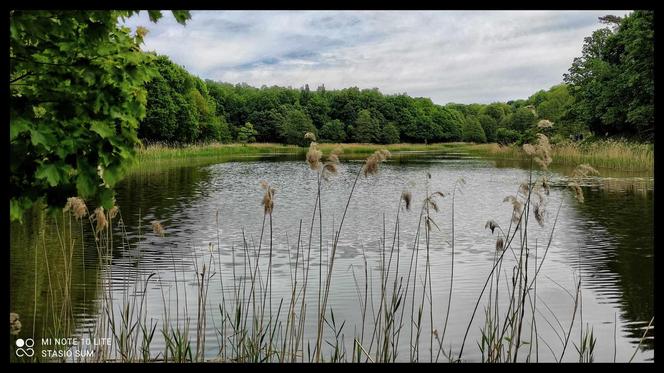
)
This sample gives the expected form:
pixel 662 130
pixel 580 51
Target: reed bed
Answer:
pixel 399 319
pixel 605 154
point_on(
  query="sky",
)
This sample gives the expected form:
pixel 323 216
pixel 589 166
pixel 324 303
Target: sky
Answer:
pixel 448 56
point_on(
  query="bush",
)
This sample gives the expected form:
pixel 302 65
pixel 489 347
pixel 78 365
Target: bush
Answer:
pixel 473 131
pixel 333 131
pixel 246 133
pixel 390 133
pixel 506 136
pixel 293 125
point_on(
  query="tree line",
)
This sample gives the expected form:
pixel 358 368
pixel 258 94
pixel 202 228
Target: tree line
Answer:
pixel 609 91
pixel 182 108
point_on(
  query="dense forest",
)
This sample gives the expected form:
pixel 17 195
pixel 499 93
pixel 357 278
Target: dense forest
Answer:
pixel 609 91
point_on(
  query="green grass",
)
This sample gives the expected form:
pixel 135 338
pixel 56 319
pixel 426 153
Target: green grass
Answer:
pixel 612 154
pixel 157 157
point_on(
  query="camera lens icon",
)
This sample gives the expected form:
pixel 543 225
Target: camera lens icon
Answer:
pixel 28 344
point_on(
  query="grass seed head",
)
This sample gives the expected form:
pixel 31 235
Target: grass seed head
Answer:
pixel 14 323
pixel 268 198
pixel 500 244
pixel 517 207
pixel 372 162
pixel 310 136
pixel 313 156
pixel 544 123
pixel 100 218
pixel 77 206
pixel 491 224
pixel 157 228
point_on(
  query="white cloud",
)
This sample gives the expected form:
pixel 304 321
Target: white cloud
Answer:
pixel 449 56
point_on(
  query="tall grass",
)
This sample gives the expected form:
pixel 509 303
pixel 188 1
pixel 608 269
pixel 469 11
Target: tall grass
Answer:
pixel 250 325
pixel 604 154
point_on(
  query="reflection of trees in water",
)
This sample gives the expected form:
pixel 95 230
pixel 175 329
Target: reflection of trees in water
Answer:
pixel 619 204
pixel 155 194
pixel 625 211
pixel 38 270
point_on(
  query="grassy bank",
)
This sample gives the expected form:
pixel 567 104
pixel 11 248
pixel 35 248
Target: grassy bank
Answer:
pixel 162 156
pixel 618 155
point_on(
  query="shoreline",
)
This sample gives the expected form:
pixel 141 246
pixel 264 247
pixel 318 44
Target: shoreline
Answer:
pixel 614 155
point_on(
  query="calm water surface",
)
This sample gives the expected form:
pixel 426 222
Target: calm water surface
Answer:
pixel 209 212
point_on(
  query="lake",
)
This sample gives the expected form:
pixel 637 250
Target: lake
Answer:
pixel 212 216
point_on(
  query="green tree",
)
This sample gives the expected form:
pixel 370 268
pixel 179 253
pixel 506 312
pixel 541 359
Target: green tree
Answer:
pixel 76 97
pixel 333 131
pixel 246 133
pixel 390 134
pixel 367 128
pixel 505 136
pixel 293 125
pixel 160 122
pixel 450 122
pixel 613 80
pixel 496 110
pixel 473 131
pixel 489 126
pixel 523 119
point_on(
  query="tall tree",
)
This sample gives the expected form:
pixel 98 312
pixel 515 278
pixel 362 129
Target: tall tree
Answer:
pixel 367 128
pixel 293 125
pixel 613 80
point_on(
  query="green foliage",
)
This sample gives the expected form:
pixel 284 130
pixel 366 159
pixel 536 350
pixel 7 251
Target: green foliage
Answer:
pixel 473 131
pixel 523 119
pixel 293 124
pixel 77 95
pixel 367 128
pixel 489 126
pixel 505 136
pixel 180 108
pixel 246 134
pixel 333 131
pixel 613 80
pixel 390 134
pixel 496 110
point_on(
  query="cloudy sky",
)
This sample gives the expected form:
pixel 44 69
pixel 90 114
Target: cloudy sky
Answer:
pixel 449 56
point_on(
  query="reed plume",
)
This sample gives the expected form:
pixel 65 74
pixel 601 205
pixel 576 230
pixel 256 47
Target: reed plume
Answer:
pixel 544 123
pixel 371 164
pixel 14 323
pixel 113 212
pixel 330 166
pixel 268 197
pixel 100 218
pixel 517 207
pixel 541 152
pixel 310 136
pixel 157 228
pixel 313 156
pixel 581 171
pixel 77 206
pixel 334 155
pixel 539 208
pixel 500 244
pixel 491 224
